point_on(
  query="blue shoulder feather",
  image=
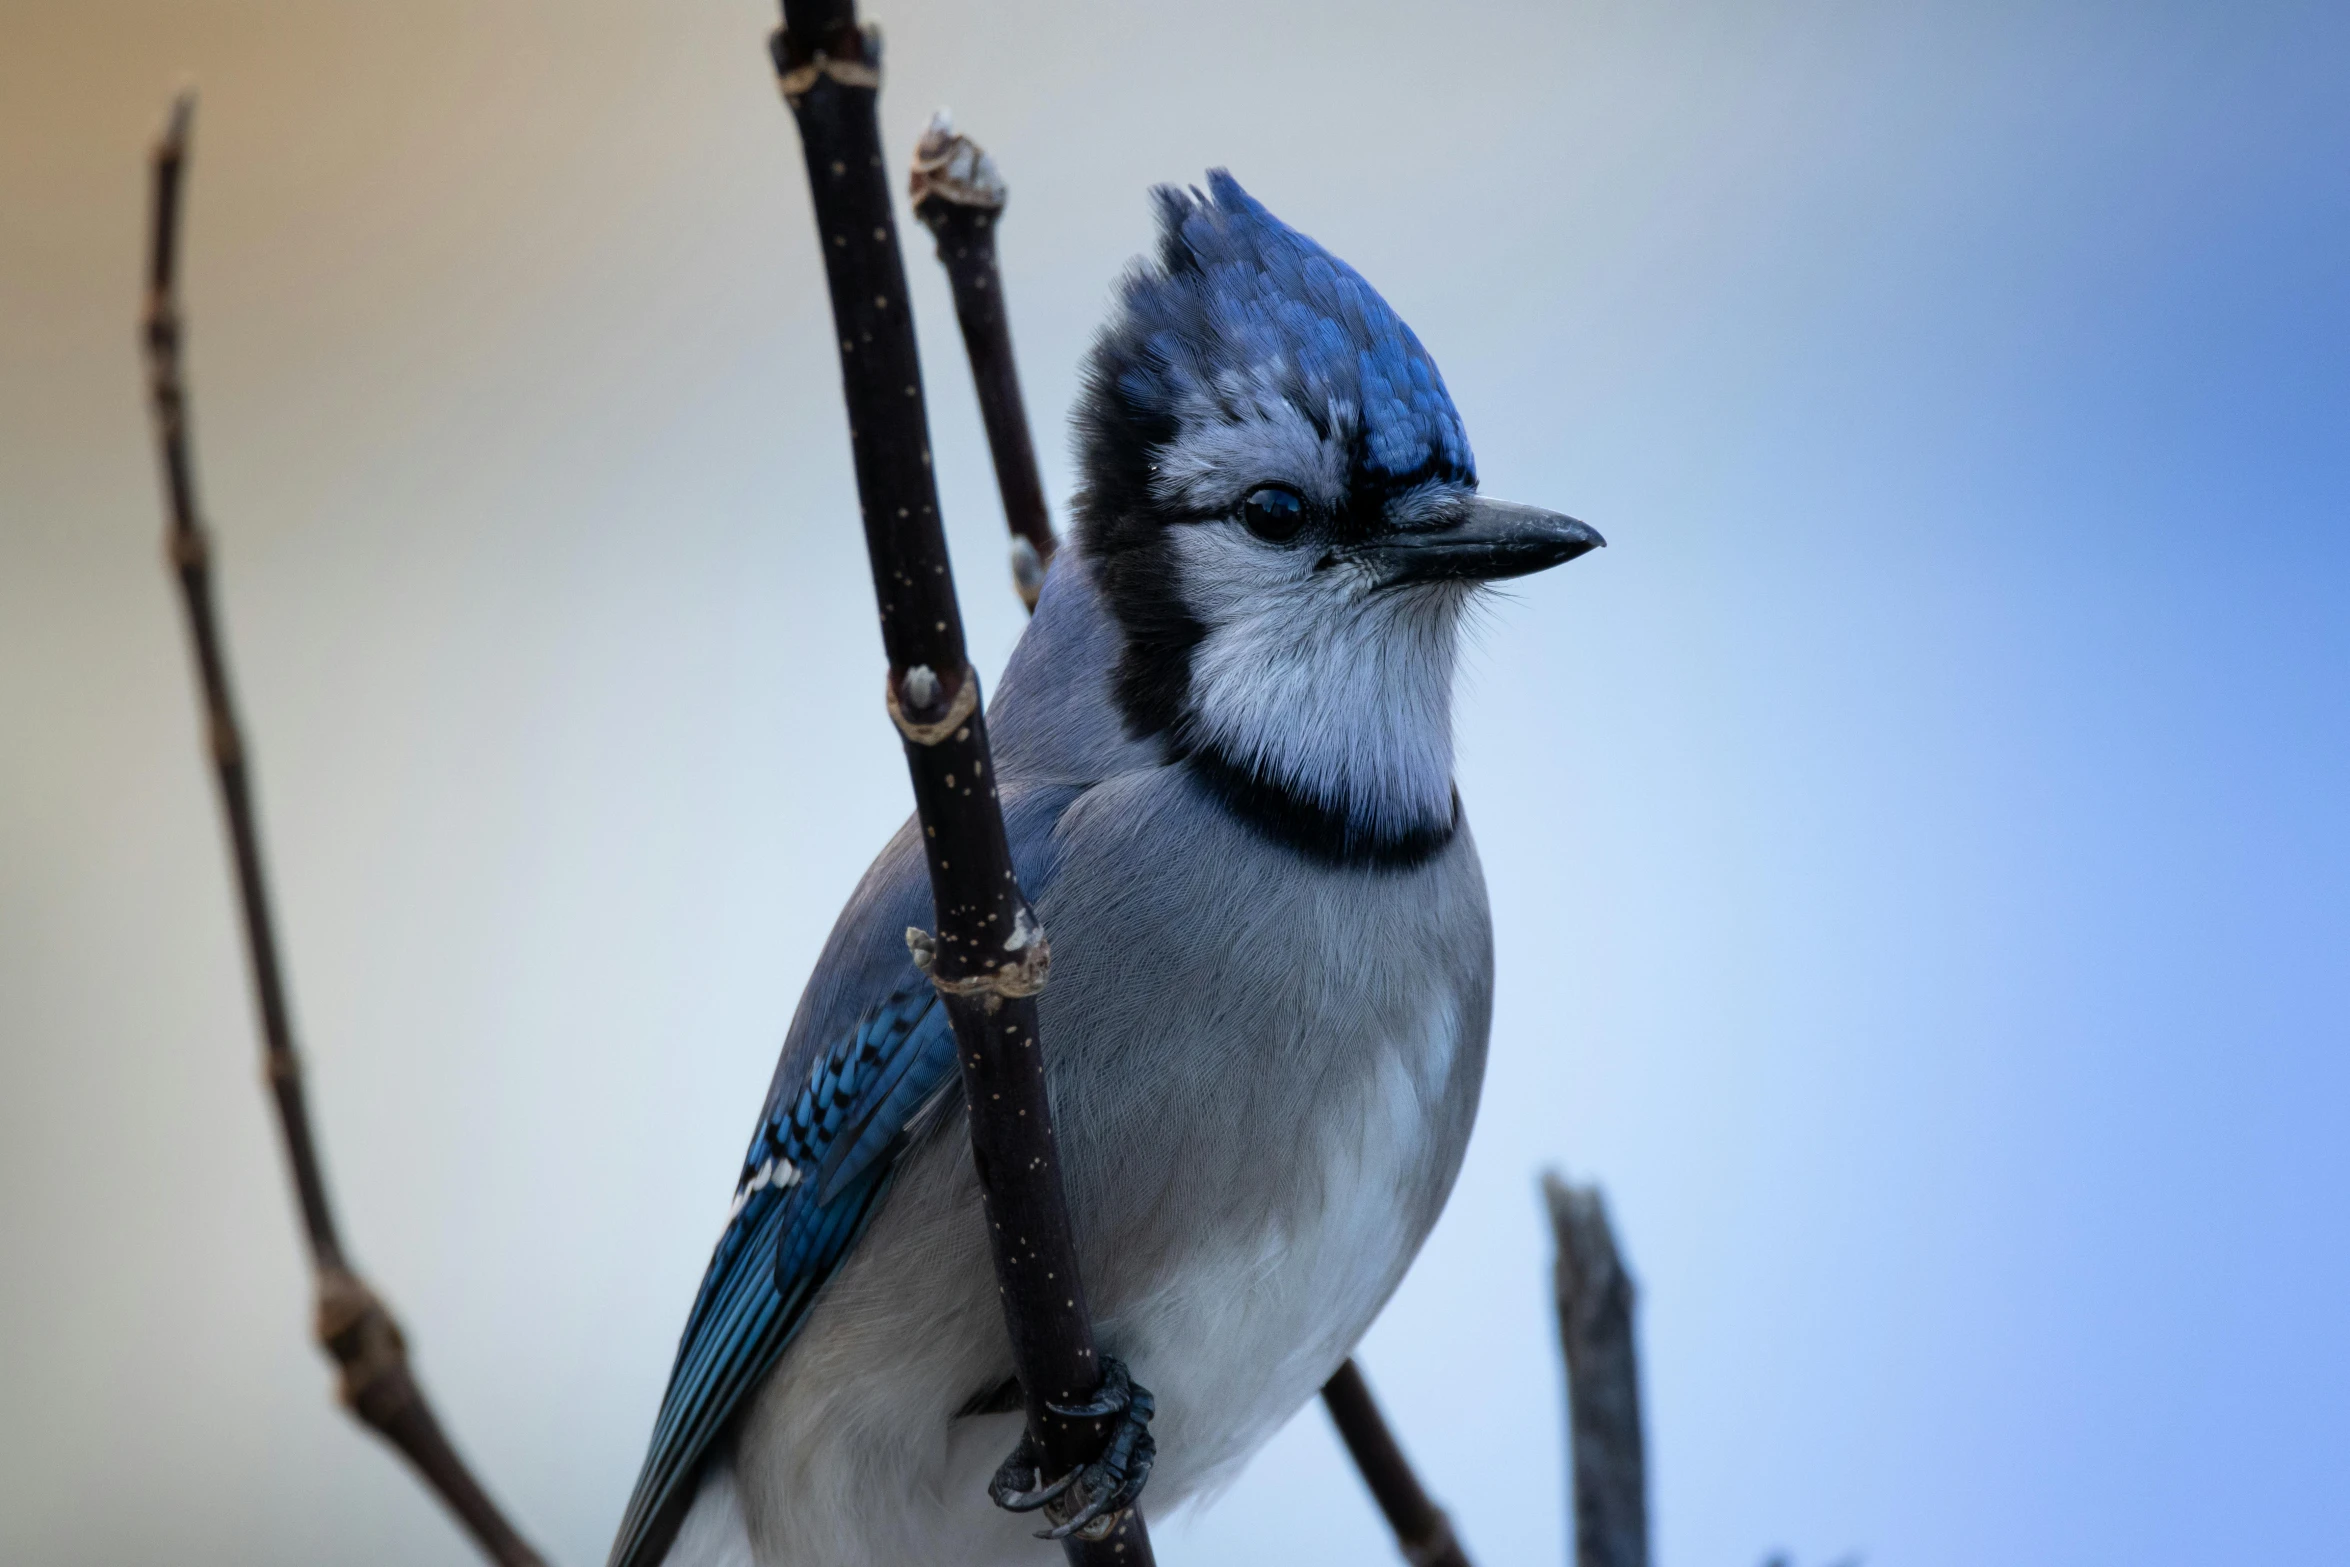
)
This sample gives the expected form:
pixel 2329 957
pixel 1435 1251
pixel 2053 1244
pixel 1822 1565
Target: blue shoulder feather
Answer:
pixel 815 1172
pixel 856 1080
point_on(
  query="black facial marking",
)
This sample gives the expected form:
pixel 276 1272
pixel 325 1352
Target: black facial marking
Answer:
pixel 1369 493
pixel 1124 532
pixel 1237 305
pixel 1312 828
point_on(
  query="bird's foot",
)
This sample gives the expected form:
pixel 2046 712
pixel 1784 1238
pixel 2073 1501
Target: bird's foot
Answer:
pixel 1087 1501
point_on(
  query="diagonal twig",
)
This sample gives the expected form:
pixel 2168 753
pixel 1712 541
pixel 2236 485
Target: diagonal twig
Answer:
pixel 1422 1531
pixel 989 957
pixel 353 1325
pixel 1595 1300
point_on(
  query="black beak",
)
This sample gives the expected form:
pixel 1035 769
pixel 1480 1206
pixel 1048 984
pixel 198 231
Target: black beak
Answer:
pixel 1490 541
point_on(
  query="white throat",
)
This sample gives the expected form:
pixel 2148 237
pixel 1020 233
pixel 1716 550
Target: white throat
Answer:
pixel 1312 680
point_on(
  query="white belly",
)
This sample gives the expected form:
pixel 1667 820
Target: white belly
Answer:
pixel 1256 1323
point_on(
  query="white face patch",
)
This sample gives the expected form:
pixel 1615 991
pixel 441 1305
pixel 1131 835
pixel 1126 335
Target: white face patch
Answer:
pixel 1340 692
pixel 1307 675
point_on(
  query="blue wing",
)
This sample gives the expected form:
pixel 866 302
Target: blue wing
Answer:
pixel 814 1175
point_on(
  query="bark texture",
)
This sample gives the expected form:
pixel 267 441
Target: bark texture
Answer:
pixel 989 956
pixel 1595 1301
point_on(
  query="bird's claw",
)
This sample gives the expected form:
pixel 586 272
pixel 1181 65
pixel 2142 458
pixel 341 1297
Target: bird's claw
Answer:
pixel 1088 1500
pixel 1016 1487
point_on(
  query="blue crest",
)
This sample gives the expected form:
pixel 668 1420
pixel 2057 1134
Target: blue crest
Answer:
pixel 1238 290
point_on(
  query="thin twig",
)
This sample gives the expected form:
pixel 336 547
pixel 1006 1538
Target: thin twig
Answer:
pixel 1422 1531
pixel 959 196
pixel 989 957
pixel 1595 1300
pixel 353 1325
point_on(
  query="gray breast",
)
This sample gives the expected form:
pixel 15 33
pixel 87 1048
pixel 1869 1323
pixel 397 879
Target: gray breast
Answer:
pixel 1264 1071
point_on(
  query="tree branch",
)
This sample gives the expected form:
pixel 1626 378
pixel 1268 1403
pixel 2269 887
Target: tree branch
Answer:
pixel 1422 1531
pixel 1595 1300
pixel 990 956
pixel 959 196
pixel 353 1325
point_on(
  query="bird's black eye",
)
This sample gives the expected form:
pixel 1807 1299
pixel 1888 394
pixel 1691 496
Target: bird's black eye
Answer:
pixel 1273 513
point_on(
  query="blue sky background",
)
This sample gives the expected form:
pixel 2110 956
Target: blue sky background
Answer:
pixel 1917 844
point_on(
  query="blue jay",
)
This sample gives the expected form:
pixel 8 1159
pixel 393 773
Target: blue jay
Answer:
pixel 1225 752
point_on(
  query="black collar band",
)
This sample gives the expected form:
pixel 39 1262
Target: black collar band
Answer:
pixel 1312 827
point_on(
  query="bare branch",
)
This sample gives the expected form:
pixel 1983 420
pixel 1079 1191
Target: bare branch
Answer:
pixel 1422 1532
pixel 354 1326
pixel 1595 1300
pixel 990 956
pixel 959 196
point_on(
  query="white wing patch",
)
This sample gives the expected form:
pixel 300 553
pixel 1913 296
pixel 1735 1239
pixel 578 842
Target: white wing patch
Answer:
pixel 779 1173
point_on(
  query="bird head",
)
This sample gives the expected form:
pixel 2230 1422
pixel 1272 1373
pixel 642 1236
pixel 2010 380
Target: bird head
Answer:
pixel 1281 509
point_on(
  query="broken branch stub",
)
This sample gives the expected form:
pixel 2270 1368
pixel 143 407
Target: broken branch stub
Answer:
pixel 1595 1300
